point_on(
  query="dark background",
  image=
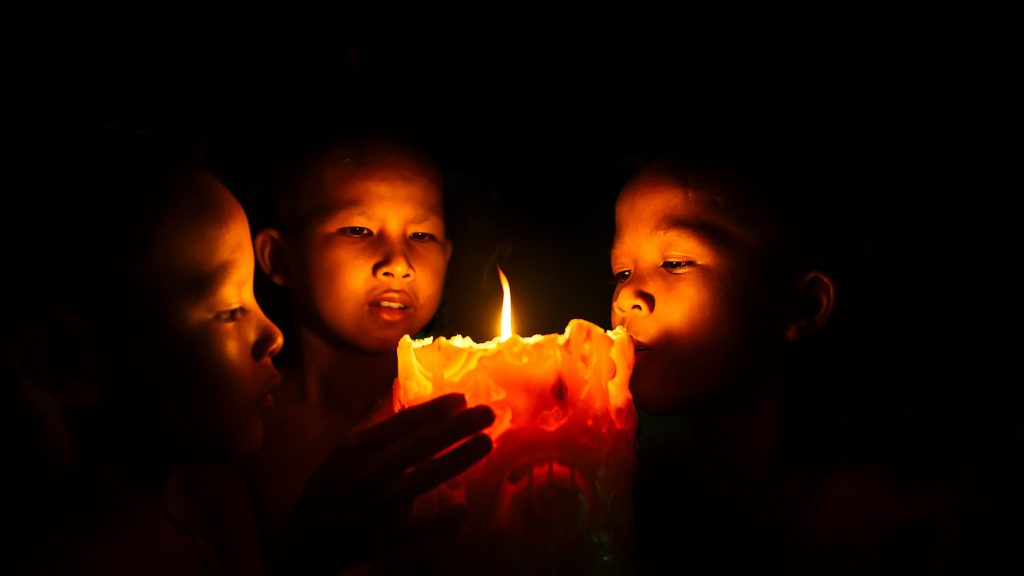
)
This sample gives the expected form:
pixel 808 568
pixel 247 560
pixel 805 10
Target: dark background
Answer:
pixel 539 112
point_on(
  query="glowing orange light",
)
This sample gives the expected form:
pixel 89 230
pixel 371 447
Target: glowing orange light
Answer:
pixel 562 466
pixel 506 308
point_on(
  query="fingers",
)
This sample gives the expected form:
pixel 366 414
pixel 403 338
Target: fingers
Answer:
pixel 360 448
pixel 379 454
pixel 405 422
pixel 373 479
pixel 433 439
pixel 436 471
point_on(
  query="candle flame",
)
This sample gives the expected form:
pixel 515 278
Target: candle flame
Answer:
pixel 506 307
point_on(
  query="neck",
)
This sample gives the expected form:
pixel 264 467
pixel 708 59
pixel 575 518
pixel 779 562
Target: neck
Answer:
pixel 114 486
pixel 735 445
pixel 741 454
pixel 350 383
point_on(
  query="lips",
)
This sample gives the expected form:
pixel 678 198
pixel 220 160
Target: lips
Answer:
pixel 392 300
pixel 266 399
pixel 391 305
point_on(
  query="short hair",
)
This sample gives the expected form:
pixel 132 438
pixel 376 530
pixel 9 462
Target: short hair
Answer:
pixel 798 183
pixel 86 214
pixel 292 163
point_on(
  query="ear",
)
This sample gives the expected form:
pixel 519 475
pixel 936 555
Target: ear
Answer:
pixel 814 297
pixel 57 359
pixel 269 248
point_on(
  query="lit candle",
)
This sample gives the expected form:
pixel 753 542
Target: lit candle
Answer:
pixel 556 491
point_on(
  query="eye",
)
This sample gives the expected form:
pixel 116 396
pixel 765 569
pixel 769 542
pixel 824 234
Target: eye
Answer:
pixel 676 266
pixel 622 275
pixel 355 231
pixel 232 315
pixel 422 237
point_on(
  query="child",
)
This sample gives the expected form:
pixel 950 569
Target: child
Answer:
pixel 148 360
pixel 358 238
pixel 138 333
pixel 729 288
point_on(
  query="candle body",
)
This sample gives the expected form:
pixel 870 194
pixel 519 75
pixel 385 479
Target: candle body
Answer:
pixel 555 495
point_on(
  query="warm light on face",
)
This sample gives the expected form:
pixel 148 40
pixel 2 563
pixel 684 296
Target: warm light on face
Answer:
pixel 506 308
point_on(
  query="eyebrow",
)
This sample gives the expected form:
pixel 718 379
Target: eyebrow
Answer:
pixel 352 208
pixel 202 284
pixel 713 232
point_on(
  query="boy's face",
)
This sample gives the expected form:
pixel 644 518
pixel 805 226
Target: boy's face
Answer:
pixel 367 263
pixel 213 343
pixel 690 289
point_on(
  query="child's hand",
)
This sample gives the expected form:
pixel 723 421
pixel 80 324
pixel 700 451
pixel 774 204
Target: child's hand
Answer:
pixel 356 505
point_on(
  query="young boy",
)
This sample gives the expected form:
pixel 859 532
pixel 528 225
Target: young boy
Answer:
pixel 139 333
pixel 729 289
pixel 141 346
pixel 358 238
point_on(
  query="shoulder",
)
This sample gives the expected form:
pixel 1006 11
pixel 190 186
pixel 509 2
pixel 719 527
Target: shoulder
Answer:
pixel 74 545
pixel 859 495
pixel 297 440
pixel 867 518
pixel 214 504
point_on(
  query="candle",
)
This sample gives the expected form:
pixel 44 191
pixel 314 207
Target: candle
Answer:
pixel 555 494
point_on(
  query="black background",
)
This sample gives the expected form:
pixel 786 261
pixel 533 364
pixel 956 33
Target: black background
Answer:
pixel 539 111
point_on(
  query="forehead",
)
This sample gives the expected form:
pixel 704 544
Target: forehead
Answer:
pixel 658 203
pixel 202 239
pixel 344 181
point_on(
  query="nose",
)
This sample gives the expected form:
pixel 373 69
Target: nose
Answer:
pixel 394 263
pixel 630 301
pixel 269 339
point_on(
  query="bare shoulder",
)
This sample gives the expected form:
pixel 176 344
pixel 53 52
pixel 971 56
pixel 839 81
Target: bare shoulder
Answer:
pixel 868 519
pixel 858 496
pixel 297 440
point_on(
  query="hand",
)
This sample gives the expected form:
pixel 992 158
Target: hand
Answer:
pixel 356 505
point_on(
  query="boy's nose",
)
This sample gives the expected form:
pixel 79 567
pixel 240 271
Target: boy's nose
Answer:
pixel 631 301
pixel 395 264
pixel 270 340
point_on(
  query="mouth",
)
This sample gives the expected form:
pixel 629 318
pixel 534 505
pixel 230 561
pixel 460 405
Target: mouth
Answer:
pixel 391 306
pixel 267 399
pixel 392 300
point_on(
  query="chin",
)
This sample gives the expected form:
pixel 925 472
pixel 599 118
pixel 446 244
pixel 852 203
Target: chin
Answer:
pixel 382 345
pixel 247 442
pixel 646 395
pixel 251 445
pixel 660 396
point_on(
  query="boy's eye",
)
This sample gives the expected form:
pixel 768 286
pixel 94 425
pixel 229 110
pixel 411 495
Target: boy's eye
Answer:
pixel 355 231
pixel 232 315
pixel 623 275
pixel 422 236
pixel 677 265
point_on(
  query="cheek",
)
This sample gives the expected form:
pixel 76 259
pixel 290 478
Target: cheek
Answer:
pixel 335 285
pixel 223 367
pixel 681 373
pixel 227 400
pixel 433 287
pixel 431 266
pixel 694 310
pixel 696 354
pixel 431 271
pixel 335 267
